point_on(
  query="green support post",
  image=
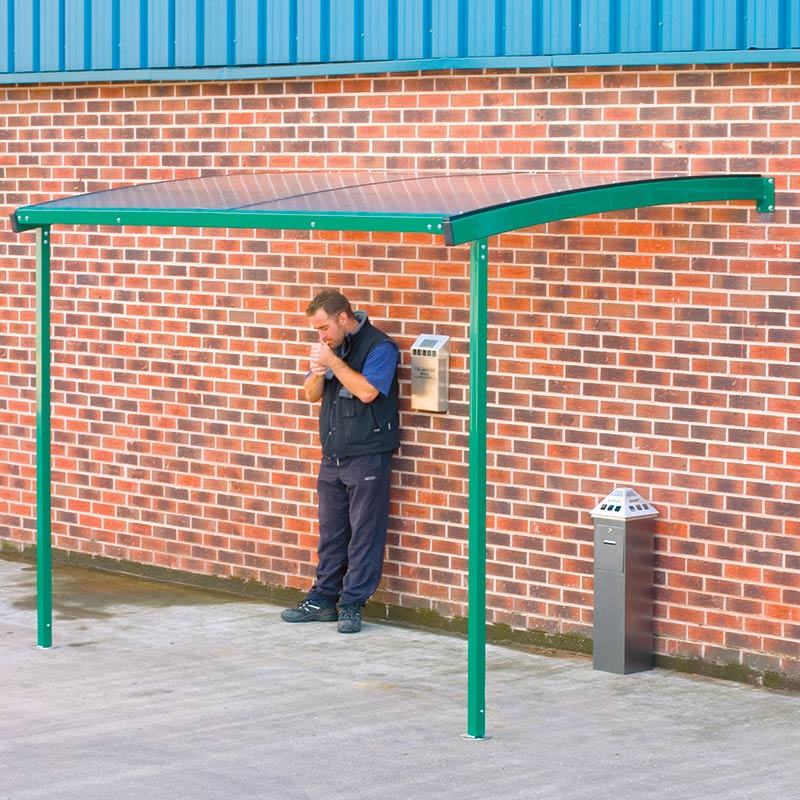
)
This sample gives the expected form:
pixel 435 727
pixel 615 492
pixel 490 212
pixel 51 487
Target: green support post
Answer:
pixel 476 625
pixel 44 561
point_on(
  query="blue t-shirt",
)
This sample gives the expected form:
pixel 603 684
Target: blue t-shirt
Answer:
pixel 380 366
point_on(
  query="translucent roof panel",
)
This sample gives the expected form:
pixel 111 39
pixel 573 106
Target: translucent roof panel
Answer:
pixel 460 206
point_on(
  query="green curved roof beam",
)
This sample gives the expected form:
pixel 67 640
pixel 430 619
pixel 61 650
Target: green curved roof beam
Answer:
pixel 595 200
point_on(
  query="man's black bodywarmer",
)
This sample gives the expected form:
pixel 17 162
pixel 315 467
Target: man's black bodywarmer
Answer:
pixel 348 427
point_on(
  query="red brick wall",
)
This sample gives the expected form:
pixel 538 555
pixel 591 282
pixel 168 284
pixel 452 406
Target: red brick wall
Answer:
pixel 655 348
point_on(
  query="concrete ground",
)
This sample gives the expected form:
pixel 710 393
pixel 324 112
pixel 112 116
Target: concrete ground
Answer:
pixel 162 692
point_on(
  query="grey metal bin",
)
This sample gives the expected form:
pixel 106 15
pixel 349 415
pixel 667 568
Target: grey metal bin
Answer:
pixel 623 583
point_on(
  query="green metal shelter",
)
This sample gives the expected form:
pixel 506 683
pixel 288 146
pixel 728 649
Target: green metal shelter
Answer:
pixel 462 208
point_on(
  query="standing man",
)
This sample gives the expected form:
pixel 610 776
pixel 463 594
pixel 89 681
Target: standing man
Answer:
pixel 354 373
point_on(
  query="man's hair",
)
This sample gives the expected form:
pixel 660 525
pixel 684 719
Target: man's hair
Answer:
pixel 331 302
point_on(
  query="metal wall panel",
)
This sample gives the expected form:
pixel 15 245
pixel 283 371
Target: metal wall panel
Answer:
pixel 132 25
pixel 773 23
pixel 6 40
pixel 483 24
pixel 40 37
pixel 446 36
pixel 380 30
pixel 189 33
pixel 603 32
pixel 313 16
pixel 638 27
pixel 160 33
pixel 103 34
pixel 561 27
pixel 23 32
pixel 77 34
pixel 345 29
pixel 791 26
pixel 523 27
pixel 281 33
pixel 721 25
pixel 216 39
pixel 680 26
pixel 763 23
pixel 413 28
pixel 247 32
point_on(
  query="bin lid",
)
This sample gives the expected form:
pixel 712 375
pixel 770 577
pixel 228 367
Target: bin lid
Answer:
pixel 431 344
pixel 624 503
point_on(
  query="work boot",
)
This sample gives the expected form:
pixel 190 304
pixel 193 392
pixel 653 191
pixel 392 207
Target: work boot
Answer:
pixel 310 611
pixel 349 618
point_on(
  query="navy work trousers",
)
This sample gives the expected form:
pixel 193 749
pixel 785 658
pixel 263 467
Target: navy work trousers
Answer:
pixel 353 516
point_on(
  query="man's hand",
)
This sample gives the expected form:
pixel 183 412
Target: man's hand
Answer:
pixel 315 382
pixel 320 358
pixel 323 358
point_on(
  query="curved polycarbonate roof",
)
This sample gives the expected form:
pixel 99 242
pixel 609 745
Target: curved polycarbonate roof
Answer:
pixel 460 206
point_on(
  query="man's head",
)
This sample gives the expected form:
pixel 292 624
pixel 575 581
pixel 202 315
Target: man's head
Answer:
pixel 331 315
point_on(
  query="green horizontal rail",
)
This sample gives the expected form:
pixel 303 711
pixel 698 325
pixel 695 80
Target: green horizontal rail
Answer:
pixel 30 217
pixel 595 200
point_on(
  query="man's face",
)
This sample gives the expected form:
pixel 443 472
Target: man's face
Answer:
pixel 329 327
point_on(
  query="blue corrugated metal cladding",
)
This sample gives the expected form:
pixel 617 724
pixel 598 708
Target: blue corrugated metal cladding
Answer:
pixel 53 38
